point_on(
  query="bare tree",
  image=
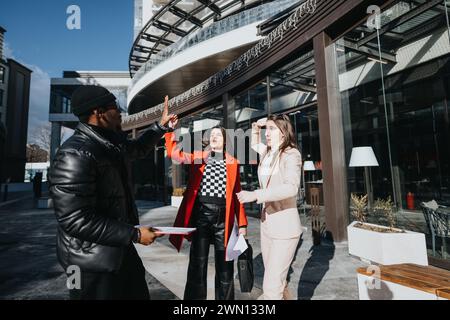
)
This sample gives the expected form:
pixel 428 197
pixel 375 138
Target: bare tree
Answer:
pixel 41 136
pixel 36 153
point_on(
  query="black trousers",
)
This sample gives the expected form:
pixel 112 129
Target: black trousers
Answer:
pixel 127 284
pixel 209 219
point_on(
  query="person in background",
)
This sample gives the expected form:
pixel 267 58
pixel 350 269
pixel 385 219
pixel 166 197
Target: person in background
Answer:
pixel 37 185
pixel 5 189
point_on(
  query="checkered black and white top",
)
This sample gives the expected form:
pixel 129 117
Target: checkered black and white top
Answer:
pixel 214 181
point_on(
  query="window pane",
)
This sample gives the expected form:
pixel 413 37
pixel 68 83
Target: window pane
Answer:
pixel 395 93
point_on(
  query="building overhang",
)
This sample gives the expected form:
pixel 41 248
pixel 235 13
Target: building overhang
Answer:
pixel 184 78
pixel 158 34
pixel 292 37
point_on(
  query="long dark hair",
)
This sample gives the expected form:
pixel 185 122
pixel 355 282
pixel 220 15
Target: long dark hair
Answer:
pixel 224 134
pixel 283 123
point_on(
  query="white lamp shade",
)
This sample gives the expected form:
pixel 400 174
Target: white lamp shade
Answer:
pixel 309 166
pixel 363 157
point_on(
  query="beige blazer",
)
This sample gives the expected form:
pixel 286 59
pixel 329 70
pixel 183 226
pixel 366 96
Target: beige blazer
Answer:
pixel 280 213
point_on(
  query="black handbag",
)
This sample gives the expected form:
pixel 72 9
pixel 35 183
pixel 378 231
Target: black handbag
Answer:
pixel 245 269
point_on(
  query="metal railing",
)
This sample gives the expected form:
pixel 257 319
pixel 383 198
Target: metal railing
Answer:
pixel 228 24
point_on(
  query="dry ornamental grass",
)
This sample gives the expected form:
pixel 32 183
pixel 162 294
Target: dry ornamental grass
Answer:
pixel 383 208
pixel 377 229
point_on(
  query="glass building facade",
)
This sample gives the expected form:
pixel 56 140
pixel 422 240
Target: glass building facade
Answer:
pixel 392 92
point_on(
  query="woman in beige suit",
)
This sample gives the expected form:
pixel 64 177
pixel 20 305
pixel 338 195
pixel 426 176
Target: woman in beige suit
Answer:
pixel 279 178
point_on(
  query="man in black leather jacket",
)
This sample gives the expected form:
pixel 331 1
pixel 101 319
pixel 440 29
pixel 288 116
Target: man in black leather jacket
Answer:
pixel 94 203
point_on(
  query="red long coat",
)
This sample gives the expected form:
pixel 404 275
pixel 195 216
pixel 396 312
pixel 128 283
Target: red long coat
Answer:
pixel 197 166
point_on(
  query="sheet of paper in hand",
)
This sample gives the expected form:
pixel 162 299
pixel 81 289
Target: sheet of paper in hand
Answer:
pixel 236 244
pixel 173 230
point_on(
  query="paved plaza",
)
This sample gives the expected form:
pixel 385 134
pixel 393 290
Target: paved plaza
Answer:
pixel 29 269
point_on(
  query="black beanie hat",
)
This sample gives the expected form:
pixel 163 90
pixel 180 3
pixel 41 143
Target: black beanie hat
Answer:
pixel 88 98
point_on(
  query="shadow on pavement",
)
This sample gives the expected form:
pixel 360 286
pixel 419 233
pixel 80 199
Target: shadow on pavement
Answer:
pixel 315 269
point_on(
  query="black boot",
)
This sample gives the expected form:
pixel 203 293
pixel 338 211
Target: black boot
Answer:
pixel 198 265
pixel 224 280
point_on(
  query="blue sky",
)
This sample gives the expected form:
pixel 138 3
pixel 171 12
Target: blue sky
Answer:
pixel 38 37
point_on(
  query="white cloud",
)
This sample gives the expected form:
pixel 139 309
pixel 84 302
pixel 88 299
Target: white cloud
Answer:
pixel 8 51
pixel 39 94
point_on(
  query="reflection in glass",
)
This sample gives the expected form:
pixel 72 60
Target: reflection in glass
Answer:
pixel 289 90
pixel 395 90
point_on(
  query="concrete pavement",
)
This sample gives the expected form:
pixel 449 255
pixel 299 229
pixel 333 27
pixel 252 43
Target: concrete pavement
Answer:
pixel 317 272
pixel 29 268
pixel 28 265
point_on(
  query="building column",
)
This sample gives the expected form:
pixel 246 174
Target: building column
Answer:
pixel 176 176
pixel 229 106
pixel 269 96
pixel 229 119
pixel 55 140
pixel 331 132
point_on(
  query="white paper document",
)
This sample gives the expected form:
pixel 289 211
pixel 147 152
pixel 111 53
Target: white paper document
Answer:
pixel 173 230
pixel 236 244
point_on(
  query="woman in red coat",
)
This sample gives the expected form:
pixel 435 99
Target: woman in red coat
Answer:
pixel 209 204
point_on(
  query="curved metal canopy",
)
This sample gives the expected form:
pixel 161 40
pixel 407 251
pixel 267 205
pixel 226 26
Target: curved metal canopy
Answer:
pixel 176 20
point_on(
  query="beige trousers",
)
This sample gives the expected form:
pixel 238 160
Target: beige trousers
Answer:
pixel 277 257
